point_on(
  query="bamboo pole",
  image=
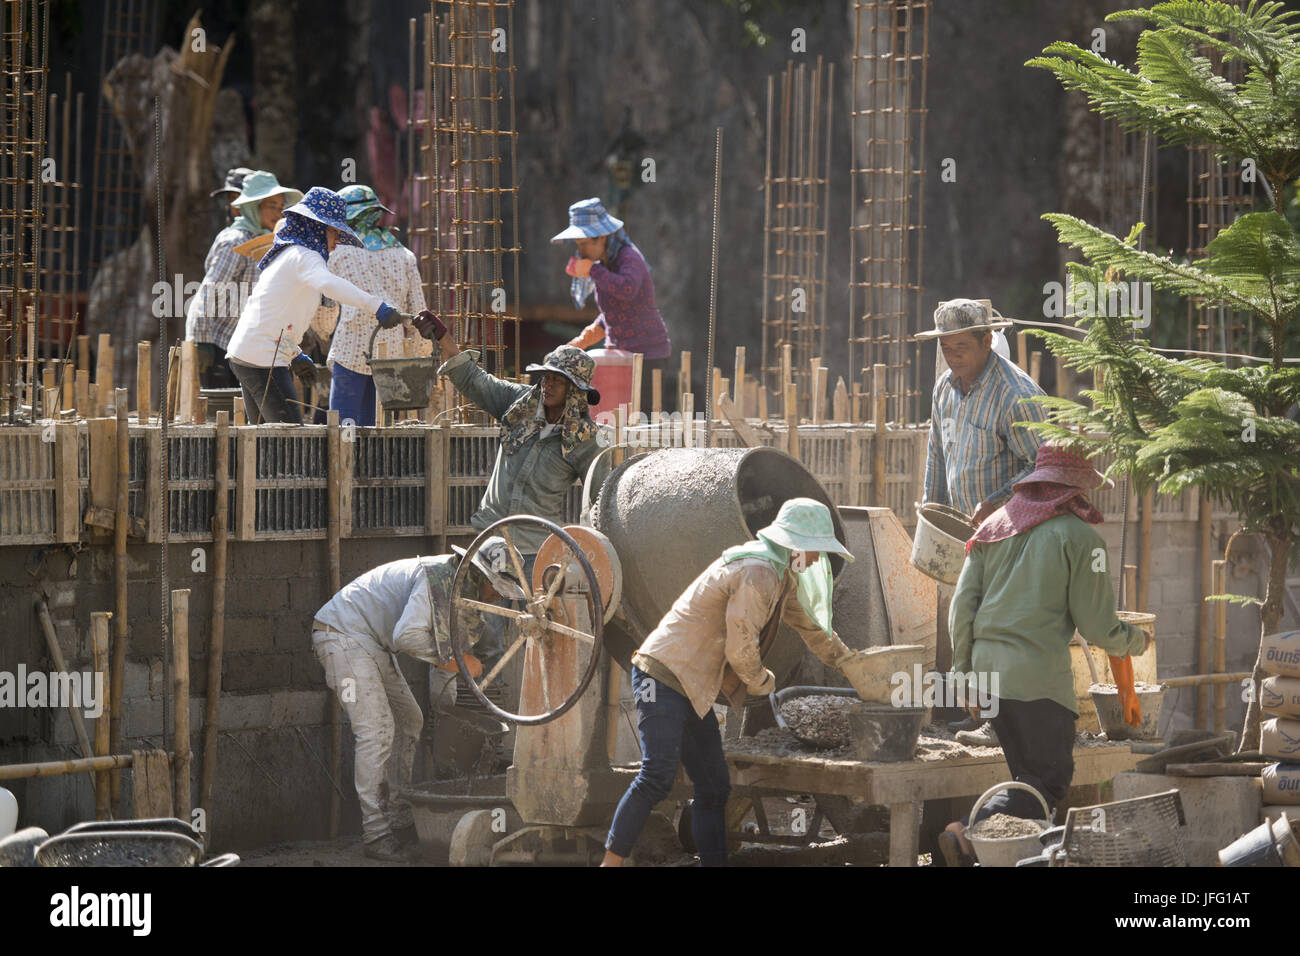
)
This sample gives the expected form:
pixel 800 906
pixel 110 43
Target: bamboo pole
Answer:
pixel 1206 681
pixel 878 412
pixel 1036 367
pixel 819 394
pixel 688 419
pixel 1220 574
pixel 53 768
pixel 31 359
pixel 638 372
pixel 69 376
pixel 181 702
pixel 1022 351
pixel 1130 586
pixel 1204 524
pixel 121 522
pixel 99 651
pixel 83 353
pixel 840 402
pixel 240 418
pixel 144 382
pixel 738 380
pixel 335 583
pixel 217 641
pixel 81 395
pixel 61 667
pixel 791 418
pixel 104 374
pixel 1146 515
pixel 656 391
pixel 683 380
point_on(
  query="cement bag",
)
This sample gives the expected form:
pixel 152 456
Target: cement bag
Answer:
pixel 1281 784
pixel 1280 738
pixel 1280 654
pixel 1280 696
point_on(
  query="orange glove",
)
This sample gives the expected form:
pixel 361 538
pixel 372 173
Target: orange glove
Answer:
pixel 1122 668
pixel 473 663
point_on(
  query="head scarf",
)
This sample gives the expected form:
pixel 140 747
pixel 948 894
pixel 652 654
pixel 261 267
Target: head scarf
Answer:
pixel 373 236
pixel 521 422
pixel 814 583
pixel 1033 503
pixel 298 231
pixel 250 218
pixel 582 287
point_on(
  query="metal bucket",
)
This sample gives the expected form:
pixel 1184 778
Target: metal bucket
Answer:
pixel 1105 697
pixel 871 671
pixel 1008 851
pixel 883 733
pixel 671 513
pixel 402 383
pixel 939 548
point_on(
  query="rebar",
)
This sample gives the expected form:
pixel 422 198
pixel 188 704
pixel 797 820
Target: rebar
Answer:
pixel 887 188
pixel 465 206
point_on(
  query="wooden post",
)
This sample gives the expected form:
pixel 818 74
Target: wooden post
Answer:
pixel 716 390
pixel 1036 367
pixel 217 640
pixel 878 401
pixel 246 483
pixel 67 494
pixel 688 420
pixel 104 374
pixel 144 382
pixel 239 417
pixel 187 412
pixel 787 366
pixel 32 394
pixel 69 383
pixel 738 380
pixel 683 380
pixel 1146 515
pixel 435 480
pixel 840 403
pixel 762 402
pixel 732 415
pixel 656 391
pixel 1204 621
pixel 819 394
pixel 121 522
pixel 1022 351
pixel 638 366
pixel 99 651
pixel 61 667
pixel 83 353
pixel 49 394
pixel 181 702
pixel 81 395
pixel 792 419
pixel 171 398
pixel 335 584
pixel 1130 586
pixel 1220 572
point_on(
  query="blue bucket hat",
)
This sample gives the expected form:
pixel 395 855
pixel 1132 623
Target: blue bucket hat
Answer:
pixel 329 209
pixel 588 220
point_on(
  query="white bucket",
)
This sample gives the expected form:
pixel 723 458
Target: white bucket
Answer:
pixel 8 813
pixel 939 548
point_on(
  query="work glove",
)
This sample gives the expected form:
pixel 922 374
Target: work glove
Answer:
pixel 1130 706
pixel 472 663
pixel 304 369
pixel 765 687
pixel 389 318
pixel 429 325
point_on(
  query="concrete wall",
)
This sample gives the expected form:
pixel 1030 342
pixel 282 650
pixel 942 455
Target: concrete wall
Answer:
pixel 274 708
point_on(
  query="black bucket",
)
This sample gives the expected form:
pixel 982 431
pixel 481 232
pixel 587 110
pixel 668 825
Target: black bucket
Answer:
pixel 884 733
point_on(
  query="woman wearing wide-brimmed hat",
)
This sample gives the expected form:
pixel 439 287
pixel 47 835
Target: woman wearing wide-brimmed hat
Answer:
pixel 719 622
pixel 610 266
pixel 1035 572
pixel 228 278
pixel 293 278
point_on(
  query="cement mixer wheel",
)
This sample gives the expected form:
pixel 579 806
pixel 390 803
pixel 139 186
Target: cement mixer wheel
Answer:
pixel 535 623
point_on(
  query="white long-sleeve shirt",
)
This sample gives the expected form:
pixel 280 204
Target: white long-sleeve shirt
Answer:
pixel 282 304
pixel 402 606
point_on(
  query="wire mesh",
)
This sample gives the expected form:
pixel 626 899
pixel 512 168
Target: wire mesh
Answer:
pixel 1143 831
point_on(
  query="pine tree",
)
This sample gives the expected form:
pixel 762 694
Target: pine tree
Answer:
pixel 1196 423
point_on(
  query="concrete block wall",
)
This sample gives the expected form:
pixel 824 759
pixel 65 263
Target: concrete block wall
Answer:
pixel 273 744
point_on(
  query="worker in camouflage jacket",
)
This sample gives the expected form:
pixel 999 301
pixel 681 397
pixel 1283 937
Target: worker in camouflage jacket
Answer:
pixel 403 606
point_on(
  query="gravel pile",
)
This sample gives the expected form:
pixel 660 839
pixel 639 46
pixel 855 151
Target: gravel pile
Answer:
pixel 821 720
pixel 1001 826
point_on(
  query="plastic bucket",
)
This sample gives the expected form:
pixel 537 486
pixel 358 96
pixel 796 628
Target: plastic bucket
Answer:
pixel 612 378
pixel 1257 848
pixel 1105 697
pixel 939 548
pixel 1008 851
pixel 883 733
pixel 871 671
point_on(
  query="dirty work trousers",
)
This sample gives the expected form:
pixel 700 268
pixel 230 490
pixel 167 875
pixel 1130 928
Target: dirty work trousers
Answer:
pixel 386 722
pixel 1037 737
pixel 269 393
pixel 352 395
pixel 672 736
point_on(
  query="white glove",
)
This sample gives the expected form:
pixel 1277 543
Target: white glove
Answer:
pixel 767 686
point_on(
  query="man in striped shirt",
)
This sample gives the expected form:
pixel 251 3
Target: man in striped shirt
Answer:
pixel 977 451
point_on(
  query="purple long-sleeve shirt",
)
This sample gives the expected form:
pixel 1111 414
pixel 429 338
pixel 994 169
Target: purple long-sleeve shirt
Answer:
pixel 625 295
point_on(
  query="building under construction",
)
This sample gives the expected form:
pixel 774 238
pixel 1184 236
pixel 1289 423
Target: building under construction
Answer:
pixel 803 206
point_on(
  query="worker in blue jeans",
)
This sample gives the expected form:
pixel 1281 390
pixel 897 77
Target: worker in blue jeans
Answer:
pixel 721 621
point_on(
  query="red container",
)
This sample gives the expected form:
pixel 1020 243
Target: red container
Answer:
pixel 612 378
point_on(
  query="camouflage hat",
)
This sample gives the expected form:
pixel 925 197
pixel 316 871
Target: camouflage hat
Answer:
pixel 575 365
pixel 964 315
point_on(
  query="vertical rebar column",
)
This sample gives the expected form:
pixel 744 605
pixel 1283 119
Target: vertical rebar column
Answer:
pixel 891 49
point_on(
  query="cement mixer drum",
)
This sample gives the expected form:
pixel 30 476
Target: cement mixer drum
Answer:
pixel 671 513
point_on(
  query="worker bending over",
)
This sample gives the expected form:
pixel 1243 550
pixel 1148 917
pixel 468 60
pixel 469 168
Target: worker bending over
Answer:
pixel 723 619
pixel 1035 573
pixel 400 606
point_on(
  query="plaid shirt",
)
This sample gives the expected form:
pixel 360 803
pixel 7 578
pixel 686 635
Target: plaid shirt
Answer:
pixel 228 280
pixel 976 452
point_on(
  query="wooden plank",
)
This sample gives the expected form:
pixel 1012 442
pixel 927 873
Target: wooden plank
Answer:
pixel 1204 620
pixel 435 480
pixel 68 382
pixel 683 380
pixel 879 494
pixel 638 365
pixel 1036 367
pixel 181 702
pixel 1022 352
pixel 144 381
pixel 819 394
pixel 792 419
pixel 151 784
pixel 187 412
pixel 688 420
pixel 787 366
pixel 99 654
pixel 743 432
pixel 840 403
pixel 104 375
pixel 1217 769
pixel 656 392
pixel 83 353
pixel 240 418
pixel 762 403
pixel 81 394
pixel 246 483
pixel 67 489
pixel 153 517
pixel 102 433
pixel 904 834
pixel 738 380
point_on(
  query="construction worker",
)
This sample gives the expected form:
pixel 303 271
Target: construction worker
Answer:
pixel 722 620
pixel 977 451
pixel 264 347
pixel 403 606
pixel 1033 577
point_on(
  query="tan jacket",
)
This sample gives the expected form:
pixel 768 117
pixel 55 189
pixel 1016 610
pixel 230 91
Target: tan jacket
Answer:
pixel 718 621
